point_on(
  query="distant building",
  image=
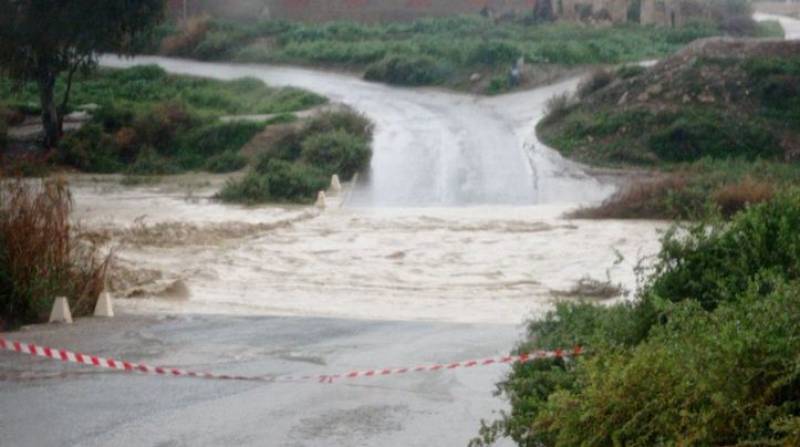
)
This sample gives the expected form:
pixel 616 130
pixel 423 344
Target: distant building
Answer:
pixel 615 11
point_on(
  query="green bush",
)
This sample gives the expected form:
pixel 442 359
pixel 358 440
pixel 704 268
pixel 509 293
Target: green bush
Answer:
pixel 150 162
pixel 694 134
pixel 337 152
pixel 277 181
pixel 723 378
pixel 252 189
pixel 90 150
pixel 288 146
pixel 714 264
pixel 498 84
pixel 200 143
pixel 350 121
pixel 406 70
pixel 225 162
pixel 706 355
pixel 495 53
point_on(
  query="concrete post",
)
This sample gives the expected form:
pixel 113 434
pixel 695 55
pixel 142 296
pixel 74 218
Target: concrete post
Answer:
pixel 60 312
pixel 104 306
pixel 321 201
pixel 336 185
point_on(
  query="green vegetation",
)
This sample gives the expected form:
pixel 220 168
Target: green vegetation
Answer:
pixel 40 256
pixel 706 355
pixel 302 159
pixel 225 162
pixel 429 51
pixel 720 128
pixel 135 90
pixel 151 123
pixel 41 41
pixel 407 70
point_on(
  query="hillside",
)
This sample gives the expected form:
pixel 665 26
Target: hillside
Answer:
pixel 717 98
pixel 718 123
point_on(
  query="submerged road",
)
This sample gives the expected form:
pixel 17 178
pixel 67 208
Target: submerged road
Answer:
pixel 432 147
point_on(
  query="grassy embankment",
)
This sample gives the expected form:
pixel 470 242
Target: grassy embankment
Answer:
pixel 442 51
pixel 720 124
pixel 151 123
pixel 707 354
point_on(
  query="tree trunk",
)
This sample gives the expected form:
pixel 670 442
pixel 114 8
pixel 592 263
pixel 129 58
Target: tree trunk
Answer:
pixel 47 99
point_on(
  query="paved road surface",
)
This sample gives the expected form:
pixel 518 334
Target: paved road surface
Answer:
pixel 91 408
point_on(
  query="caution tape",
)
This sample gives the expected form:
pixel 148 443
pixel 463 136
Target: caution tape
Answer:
pixel 132 367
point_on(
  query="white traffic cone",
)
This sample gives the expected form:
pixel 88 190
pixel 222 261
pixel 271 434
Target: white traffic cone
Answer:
pixel 104 306
pixel 321 200
pixel 336 185
pixel 60 312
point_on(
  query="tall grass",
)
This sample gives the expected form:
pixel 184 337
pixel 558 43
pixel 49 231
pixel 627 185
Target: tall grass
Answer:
pixel 41 257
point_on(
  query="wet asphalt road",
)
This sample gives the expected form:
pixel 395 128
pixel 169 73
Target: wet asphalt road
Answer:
pixel 66 405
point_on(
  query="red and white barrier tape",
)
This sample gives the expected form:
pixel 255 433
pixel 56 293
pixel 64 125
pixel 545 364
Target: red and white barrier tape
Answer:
pixel 120 365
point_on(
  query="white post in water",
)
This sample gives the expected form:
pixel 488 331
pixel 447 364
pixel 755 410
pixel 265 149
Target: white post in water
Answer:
pixel 336 185
pixel 104 306
pixel 60 312
pixel 321 200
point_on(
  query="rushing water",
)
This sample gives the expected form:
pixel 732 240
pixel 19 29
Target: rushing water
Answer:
pixel 459 220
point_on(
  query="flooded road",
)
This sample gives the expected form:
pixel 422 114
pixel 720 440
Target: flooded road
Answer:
pixel 459 221
pixel 433 148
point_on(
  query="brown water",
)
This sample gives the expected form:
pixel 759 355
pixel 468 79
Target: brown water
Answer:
pixel 459 219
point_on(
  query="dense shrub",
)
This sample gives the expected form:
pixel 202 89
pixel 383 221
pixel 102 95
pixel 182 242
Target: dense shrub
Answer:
pixel 495 53
pixel 498 84
pixel 695 134
pixel 658 371
pixel 277 181
pixel 150 162
pixel 677 388
pixel 287 146
pixel 40 256
pixel 337 152
pixel 348 120
pixel 301 158
pixel 406 70
pixel 714 264
pixel 252 189
pixel 225 162
pixel 91 150
pixel 200 143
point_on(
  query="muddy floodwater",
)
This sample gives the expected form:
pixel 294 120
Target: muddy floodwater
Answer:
pixel 459 219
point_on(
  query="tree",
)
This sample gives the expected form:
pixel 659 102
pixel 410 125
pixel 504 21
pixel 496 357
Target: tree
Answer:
pixel 41 39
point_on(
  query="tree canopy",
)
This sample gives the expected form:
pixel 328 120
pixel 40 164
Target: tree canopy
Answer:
pixel 40 39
